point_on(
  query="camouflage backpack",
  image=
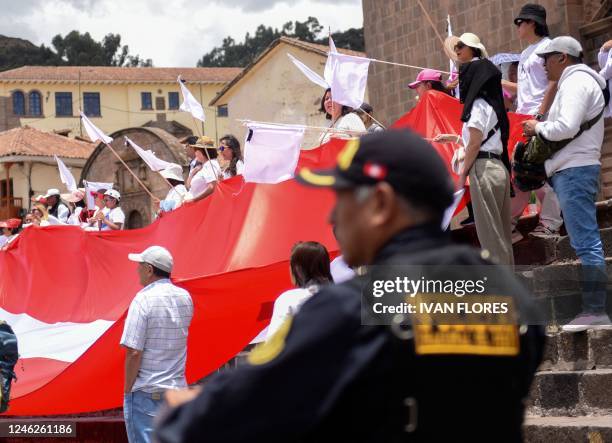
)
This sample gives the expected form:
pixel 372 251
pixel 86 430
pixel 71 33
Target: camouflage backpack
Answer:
pixel 8 358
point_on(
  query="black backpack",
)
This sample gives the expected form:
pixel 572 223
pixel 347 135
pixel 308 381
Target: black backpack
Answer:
pixel 8 358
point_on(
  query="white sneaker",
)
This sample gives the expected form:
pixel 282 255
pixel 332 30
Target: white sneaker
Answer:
pixel 585 321
pixel 542 231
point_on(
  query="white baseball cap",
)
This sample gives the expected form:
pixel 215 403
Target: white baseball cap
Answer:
pixel 52 191
pixel 174 172
pixel 564 44
pixel 156 256
pixel 113 193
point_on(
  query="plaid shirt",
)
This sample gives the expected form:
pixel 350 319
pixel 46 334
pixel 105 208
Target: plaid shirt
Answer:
pixel 157 324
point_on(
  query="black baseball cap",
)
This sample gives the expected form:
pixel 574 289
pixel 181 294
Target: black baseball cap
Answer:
pixel 399 157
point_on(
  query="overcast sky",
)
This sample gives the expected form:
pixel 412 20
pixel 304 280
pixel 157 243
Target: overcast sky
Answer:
pixel 171 32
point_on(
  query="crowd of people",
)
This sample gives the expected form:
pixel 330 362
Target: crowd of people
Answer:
pixel 392 190
pixel 106 214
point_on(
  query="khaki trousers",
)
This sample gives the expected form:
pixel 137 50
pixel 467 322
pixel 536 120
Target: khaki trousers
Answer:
pixel 490 192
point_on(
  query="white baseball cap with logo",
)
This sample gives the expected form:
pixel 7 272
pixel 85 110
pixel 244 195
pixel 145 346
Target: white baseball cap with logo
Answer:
pixel 113 193
pixel 157 256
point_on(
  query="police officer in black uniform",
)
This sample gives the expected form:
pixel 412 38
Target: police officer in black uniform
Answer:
pixel 328 376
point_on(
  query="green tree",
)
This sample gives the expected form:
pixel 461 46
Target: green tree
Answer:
pixel 231 53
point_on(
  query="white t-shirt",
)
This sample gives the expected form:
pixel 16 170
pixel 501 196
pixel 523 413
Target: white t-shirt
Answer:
pixel 484 119
pixel 74 217
pixel 349 122
pixel 340 271
pixel 115 215
pixel 210 172
pixel 174 198
pixel 532 79
pixel 239 170
pixel 287 305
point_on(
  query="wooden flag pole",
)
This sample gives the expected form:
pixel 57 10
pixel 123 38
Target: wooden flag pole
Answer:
pixel 131 172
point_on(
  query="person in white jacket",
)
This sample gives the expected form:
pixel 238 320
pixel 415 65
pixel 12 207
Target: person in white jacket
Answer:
pixel 574 170
pixel 605 63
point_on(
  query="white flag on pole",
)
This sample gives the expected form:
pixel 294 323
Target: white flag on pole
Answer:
pixel 65 175
pixel 350 78
pixel 93 131
pixel 190 104
pixel 452 68
pixel 309 73
pixel 271 152
pixel 149 157
pixel 328 73
pixel 92 188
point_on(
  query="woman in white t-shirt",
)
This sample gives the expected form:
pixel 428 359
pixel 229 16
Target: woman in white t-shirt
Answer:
pixel 231 153
pixel 178 193
pixel 342 118
pixel 111 218
pixel 203 179
pixel 309 270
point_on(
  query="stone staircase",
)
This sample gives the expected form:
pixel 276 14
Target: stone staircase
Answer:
pixel 571 396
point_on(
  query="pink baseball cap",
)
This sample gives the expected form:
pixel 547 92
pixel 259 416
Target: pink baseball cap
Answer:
pixel 426 75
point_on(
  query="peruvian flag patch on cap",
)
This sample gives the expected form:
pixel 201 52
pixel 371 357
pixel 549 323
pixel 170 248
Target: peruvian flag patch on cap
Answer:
pixel 375 171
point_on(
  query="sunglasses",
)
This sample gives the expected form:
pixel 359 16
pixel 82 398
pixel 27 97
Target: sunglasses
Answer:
pixel 459 46
pixel 222 148
pixel 520 21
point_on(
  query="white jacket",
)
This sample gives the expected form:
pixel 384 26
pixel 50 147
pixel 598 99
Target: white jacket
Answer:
pixel 605 63
pixel 579 99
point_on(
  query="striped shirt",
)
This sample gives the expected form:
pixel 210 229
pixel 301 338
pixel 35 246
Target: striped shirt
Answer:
pixel 157 324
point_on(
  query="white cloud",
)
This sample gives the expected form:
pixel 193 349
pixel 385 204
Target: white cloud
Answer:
pixel 171 32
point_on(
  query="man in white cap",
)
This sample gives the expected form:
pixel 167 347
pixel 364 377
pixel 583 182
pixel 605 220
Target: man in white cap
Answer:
pixel 155 338
pixel 576 116
pixel 55 206
pixel 112 216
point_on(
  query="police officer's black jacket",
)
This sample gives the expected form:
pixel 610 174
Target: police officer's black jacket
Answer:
pixel 333 379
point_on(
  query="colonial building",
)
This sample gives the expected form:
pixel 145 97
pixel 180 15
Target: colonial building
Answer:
pixel 398 31
pixel 29 168
pixel 272 89
pixel 49 98
pixel 104 166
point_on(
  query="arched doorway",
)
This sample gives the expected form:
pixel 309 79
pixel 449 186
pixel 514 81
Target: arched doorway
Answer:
pixel 135 220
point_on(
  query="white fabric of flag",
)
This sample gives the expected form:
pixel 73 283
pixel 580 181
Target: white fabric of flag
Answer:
pixel 452 68
pixel 350 78
pixel 309 73
pixel 93 131
pixel 328 73
pixel 92 188
pixel 190 104
pixel 450 211
pixel 271 152
pixel 149 157
pixel 65 175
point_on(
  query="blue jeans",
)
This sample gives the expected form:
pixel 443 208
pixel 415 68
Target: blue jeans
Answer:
pixel 577 191
pixel 139 410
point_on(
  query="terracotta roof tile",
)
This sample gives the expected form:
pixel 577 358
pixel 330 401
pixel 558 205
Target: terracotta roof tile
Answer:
pixel 28 141
pixel 86 74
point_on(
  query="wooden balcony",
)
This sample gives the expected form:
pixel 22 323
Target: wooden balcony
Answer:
pixel 10 207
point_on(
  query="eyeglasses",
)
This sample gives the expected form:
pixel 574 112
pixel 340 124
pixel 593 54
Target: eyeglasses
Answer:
pixel 459 46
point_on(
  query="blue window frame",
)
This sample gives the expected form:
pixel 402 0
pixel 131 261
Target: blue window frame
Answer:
pixel 146 100
pixel 63 104
pixel 35 103
pixel 18 103
pixel 222 111
pixel 173 100
pixel 91 104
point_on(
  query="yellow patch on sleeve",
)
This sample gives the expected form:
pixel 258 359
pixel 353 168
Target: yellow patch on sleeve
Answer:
pixel 270 349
